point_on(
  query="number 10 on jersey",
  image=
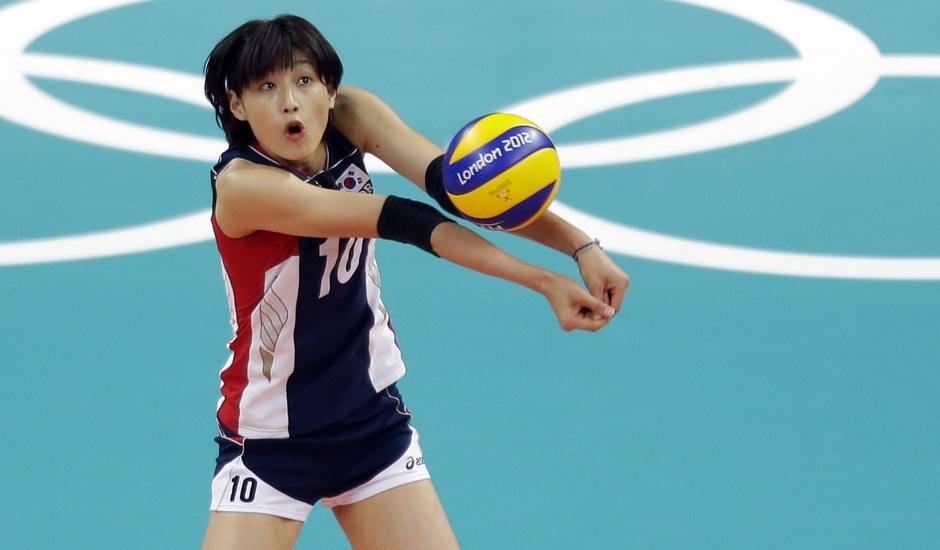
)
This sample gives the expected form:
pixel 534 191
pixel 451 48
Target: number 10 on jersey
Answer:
pixel 345 263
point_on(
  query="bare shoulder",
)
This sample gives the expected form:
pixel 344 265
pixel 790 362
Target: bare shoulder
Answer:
pixel 371 124
pixel 352 100
pixel 356 113
pixel 238 187
pixel 238 173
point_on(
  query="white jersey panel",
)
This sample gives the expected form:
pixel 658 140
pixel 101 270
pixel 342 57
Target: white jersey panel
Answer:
pixel 271 356
pixel 385 362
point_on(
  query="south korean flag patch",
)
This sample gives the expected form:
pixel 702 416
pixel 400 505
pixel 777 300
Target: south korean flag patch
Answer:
pixel 355 180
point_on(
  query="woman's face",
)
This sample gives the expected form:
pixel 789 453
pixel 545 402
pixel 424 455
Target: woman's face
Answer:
pixel 287 110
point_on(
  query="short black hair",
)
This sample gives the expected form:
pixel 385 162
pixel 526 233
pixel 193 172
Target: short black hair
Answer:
pixel 255 49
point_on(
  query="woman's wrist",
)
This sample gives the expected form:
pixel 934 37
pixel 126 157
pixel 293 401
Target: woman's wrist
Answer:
pixel 585 247
pixel 540 280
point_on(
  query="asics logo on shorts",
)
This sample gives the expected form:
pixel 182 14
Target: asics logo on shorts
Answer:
pixel 412 462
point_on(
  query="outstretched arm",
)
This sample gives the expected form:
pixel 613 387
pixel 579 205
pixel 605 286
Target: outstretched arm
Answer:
pixel 377 129
pixel 574 308
pixel 252 197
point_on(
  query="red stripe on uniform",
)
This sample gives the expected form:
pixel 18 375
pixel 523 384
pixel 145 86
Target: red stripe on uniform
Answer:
pixel 245 261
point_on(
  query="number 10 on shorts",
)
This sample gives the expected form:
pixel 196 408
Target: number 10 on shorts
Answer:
pixel 248 487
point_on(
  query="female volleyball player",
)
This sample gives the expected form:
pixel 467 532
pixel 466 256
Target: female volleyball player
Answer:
pixel 309 409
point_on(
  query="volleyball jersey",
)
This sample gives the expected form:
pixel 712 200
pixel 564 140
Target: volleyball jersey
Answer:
pixel 312 338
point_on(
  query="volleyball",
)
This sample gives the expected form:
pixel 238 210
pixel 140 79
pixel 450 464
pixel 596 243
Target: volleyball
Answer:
pixel 501 171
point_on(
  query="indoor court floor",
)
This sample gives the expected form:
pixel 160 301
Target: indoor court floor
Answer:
pixel 765 171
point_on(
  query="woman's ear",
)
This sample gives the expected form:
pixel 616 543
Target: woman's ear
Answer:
pixel 236 106
pixel 333 99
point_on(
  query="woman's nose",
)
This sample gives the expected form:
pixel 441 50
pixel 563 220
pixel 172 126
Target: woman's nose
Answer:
pixel 290 105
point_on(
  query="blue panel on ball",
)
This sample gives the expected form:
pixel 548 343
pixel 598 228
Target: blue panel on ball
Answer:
pixel 463 131
pixel 493 158
pixel 518 214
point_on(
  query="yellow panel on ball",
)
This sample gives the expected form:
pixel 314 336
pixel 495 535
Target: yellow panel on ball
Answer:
pixel 501 171
pixel 485 129
pixel 519 181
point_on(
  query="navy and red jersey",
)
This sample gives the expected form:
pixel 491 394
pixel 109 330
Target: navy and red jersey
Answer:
pixel 312 337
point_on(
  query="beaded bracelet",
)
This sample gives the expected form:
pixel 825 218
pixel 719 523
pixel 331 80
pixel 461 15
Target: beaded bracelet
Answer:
pixel 586 246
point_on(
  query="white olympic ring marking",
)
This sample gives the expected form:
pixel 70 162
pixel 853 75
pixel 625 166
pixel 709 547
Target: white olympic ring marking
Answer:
pixel 837 66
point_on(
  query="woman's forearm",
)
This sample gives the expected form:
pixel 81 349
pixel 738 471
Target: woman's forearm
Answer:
pixel 555 232
pixel 464 247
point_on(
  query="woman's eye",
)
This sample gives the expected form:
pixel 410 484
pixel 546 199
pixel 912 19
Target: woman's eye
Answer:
pixel 267 86
pixel 305 80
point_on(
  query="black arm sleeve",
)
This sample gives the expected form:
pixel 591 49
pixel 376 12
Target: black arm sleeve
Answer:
pixel 434 183
pixel 408 221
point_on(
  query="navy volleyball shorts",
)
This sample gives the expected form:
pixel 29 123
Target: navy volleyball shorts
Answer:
pixel 373 449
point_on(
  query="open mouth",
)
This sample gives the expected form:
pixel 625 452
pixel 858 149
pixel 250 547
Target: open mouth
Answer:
pixel 294 130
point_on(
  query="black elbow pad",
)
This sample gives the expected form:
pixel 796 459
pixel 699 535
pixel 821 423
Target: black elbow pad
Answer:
pixel 434 184
pixel 408 221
